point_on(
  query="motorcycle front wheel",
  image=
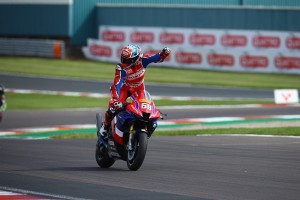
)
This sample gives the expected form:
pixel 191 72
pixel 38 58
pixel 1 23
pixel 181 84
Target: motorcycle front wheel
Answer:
pixel 136 156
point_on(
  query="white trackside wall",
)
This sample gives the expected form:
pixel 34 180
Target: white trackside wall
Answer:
pixel 227 50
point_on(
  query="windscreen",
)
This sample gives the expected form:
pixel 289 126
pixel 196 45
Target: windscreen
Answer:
pixel 147 95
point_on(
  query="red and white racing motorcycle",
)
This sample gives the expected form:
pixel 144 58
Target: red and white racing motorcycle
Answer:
pixel 129 133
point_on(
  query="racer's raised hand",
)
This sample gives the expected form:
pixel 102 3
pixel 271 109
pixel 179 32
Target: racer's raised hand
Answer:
pixel 164 53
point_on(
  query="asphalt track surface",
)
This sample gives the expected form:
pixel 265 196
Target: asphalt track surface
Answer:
pixel 197 167
pixel 41 118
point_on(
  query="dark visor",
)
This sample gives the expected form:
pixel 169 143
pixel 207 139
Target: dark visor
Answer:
pixel 129 60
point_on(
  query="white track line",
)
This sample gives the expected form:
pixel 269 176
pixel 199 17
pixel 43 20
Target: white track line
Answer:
pixel 26 192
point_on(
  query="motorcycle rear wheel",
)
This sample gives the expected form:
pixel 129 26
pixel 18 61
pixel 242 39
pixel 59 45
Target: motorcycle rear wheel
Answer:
pixel 135 158
pixel 102 157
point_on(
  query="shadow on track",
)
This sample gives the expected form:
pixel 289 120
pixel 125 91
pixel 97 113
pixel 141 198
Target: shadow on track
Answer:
pixel 86 169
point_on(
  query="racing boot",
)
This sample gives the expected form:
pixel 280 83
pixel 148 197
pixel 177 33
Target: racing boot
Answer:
pixel 104 131
pixel 109 115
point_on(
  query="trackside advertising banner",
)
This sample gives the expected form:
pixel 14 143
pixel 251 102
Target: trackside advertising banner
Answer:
pixel 228 50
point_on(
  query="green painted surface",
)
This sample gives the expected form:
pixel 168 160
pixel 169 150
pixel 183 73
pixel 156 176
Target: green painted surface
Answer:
pixel 77 132
pixel 51 133
pixel 265 120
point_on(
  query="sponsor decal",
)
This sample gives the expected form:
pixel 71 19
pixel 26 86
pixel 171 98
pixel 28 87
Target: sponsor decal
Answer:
pixel 142 37
pixel 113 36
pixel 287 62
pixel 188 58
pixel 285 96
pixel 100 50
pixel 292 42
pixel 234 40
pixel 155 51
pixel 171 38
pixel 138 74
pixel 202 39
pixel 220 59
pixel 266 41
pixel 254 61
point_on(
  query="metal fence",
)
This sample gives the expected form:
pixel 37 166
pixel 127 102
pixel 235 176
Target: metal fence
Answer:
pixel 32 47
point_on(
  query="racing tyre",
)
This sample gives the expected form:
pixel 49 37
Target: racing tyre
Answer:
pixel 136 156
pixel 102 157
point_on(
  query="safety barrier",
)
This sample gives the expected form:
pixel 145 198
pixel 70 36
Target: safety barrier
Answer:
pixel 32 47
pixel 210 49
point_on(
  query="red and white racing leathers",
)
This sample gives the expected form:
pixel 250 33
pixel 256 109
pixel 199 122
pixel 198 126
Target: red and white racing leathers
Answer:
pixel 130 79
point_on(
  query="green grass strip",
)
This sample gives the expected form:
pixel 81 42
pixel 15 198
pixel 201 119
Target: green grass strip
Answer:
pixel 84 69
pixel 45 101
pixel 281 131
pixel 91 132
pixel 233 122
pixel 74 133
pixel 264 120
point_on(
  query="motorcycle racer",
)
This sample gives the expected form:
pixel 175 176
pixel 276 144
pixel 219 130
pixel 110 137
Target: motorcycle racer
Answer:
pixel 129 79
pixel 2 101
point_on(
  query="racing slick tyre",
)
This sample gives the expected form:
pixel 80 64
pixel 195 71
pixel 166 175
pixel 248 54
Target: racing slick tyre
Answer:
pixel 102 157
pixel 136 156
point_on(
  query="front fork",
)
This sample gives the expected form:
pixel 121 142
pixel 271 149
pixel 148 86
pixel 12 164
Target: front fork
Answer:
pixel 132 133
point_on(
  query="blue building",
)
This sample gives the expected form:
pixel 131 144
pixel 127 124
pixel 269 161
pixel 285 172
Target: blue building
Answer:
pixel 76 20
